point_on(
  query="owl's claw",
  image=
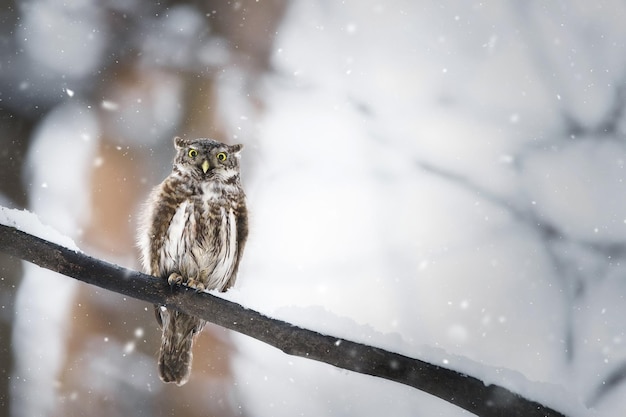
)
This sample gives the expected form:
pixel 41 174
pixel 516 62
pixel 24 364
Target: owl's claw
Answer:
pixel 195 284
pixel 175 279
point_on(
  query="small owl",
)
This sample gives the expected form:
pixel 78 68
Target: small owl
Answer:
pixel 192 232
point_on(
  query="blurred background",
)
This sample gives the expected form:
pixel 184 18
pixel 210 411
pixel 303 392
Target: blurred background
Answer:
pixel 444 174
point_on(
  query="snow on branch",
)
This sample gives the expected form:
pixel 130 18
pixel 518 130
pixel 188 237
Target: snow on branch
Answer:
pixel 462 390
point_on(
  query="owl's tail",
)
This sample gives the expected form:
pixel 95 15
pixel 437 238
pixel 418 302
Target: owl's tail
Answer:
pixel 179 331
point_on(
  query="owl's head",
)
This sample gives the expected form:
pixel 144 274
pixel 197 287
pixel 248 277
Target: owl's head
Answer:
pixel 207 158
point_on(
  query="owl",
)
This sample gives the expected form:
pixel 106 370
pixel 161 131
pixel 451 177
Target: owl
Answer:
pixel 192 232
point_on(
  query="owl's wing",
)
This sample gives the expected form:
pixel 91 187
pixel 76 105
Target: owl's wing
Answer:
pixel 241 216
pixel 161 208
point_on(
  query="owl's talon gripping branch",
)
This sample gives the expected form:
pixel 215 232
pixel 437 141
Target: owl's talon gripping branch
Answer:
pixel 195 284
pixel 175 279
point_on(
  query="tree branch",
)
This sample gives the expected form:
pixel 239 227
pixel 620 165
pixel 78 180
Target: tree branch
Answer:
pixel 461 390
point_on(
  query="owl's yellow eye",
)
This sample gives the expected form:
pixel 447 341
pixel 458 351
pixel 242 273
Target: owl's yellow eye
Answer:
pixel 221 156
pixel 192 153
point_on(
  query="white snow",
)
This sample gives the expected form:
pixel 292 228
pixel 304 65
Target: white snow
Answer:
pixel 28 222
pixel 571 186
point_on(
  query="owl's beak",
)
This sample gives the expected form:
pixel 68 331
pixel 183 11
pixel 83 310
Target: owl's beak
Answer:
pixel 205 166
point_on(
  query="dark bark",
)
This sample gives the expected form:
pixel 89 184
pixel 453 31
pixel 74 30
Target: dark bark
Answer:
pixel 459 389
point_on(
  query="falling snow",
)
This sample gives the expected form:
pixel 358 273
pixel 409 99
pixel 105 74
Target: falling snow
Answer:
pixel 442 180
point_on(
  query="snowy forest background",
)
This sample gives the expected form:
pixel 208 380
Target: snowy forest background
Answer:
pixel 444 174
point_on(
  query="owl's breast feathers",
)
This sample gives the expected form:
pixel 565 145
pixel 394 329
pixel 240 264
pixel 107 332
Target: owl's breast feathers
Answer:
pixel 197 231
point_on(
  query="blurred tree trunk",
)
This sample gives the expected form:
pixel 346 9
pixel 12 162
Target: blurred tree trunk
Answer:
pixel 15 130
pixel 10 270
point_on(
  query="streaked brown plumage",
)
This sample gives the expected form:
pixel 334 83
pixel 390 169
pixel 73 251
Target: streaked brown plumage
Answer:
pixel 193 231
